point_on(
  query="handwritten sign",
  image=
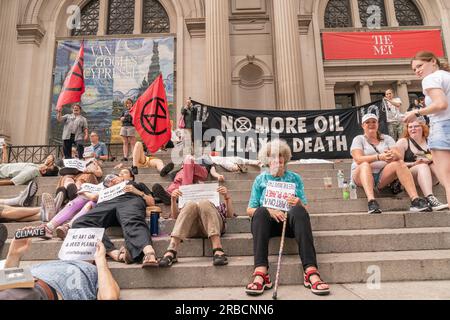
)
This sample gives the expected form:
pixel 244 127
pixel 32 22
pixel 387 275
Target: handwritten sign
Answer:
pixel 112 193
pixel 75 164
pixel 91 188
pixel 198 192
pixel 81 244
pixel 89 152
pixel 277 194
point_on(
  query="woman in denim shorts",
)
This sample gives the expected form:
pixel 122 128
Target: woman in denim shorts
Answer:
pixel 435 77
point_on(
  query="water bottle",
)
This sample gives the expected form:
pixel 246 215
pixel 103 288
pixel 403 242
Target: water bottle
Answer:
pixel 353 193
pixel 345 191
pixel 340 179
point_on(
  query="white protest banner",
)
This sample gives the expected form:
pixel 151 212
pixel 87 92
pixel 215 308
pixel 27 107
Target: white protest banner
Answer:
pixel 91 188
pixel 88 151
pixel 111 193
pixel 80 244
pixel 277 194
pixel 75 164
pixel 198 192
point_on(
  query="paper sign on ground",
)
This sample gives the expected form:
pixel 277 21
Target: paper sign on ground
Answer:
pixel 81 244
pixel 277 194
pixel 91 188
pixel 75 164
pixel 111 193
pixel 198 192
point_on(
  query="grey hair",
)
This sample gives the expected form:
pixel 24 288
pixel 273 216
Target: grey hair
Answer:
pixel 275 148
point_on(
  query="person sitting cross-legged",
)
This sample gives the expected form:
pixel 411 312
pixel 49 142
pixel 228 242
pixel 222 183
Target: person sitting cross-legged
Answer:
pixel 129 212
pixel 268 223
pixel 201 219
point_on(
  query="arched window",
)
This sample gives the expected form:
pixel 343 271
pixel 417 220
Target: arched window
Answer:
pixel 338 14
pixel 407 13
pixel 89 19
pixel 372 13
pixel 155 19
pixel 121 17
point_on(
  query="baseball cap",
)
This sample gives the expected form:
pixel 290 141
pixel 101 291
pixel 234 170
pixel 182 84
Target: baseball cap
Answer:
pixel 368 117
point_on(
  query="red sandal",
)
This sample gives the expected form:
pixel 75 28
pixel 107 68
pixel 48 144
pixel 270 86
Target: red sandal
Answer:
pixel 315 286
pixel 260 287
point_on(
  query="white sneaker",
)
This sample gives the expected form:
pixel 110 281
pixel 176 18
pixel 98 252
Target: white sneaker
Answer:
pixel 435 204
pixel 48 210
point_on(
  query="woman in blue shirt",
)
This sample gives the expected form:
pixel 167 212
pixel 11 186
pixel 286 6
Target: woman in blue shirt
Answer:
pixel 268 223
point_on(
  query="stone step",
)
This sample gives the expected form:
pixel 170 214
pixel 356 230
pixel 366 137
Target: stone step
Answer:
pixel 348 241
pixel 196 272
pixel 319 222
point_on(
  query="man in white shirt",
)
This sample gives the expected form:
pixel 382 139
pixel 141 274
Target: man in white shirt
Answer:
pixel 393 114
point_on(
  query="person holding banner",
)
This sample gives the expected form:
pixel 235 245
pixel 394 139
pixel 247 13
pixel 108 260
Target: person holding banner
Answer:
pixel 74 132
pixel 199 220
pixel 126 209
pixel 268 223
pixel 377 163
pixel 414 151
pixel 127 132
pixel 99 148
pixel 94 280
pixel 435 77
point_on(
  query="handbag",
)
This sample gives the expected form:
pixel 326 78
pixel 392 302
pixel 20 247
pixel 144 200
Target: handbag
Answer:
pixel 181 124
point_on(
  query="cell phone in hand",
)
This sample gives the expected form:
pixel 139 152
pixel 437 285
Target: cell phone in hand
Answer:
pixel 35 232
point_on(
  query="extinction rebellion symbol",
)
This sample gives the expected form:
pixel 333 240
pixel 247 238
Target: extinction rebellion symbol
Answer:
pixel 149 121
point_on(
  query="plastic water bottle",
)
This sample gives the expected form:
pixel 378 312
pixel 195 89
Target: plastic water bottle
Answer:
pixel 353 193
pixel 345 191
pixel 340 179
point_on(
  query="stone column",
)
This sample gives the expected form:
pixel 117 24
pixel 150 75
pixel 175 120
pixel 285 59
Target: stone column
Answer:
pixel 390 13
pixel 290 90
pixel 8 39
pixel 138 16
pixel 330 99
pixel 355 13
pixel 218 54
pixel 403 94
pixel 103 18
pixel 364 92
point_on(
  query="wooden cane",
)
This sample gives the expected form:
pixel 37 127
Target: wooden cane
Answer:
pixel 277 278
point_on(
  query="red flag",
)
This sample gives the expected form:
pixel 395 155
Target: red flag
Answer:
pixel 73 86
pixel 151 116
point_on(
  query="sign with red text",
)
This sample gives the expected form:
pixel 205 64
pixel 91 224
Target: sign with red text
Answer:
pixel 380 45
pixel 277 193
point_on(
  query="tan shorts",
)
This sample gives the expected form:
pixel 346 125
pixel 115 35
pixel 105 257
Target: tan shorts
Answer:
pixel 128 132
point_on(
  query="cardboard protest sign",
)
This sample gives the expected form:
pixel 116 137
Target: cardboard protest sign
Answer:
pixel 91 188
pixel 198 192
pixel 75 164
pixel 81 244
pixel 277 193
pixel 111 193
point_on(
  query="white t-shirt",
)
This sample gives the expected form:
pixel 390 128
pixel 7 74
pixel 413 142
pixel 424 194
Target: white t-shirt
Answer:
pixel 393 113
pixel 361 143
pixel 437 80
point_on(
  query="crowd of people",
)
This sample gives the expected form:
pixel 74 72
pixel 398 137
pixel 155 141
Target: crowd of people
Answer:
pixel 414 155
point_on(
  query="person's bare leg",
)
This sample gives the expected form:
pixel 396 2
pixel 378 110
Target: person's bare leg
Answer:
pixel 424 178
pixel 401 171
pixel 36 217
pixel 14 214
pixel 216 243
pixel 68 180
pixel 132 141
pixel 125 147
pixel 363 178
pixel 138 154
pixel 442 162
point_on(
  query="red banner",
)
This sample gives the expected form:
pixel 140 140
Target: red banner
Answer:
pixel 380 45
pixel 73 87
pixel 151 116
